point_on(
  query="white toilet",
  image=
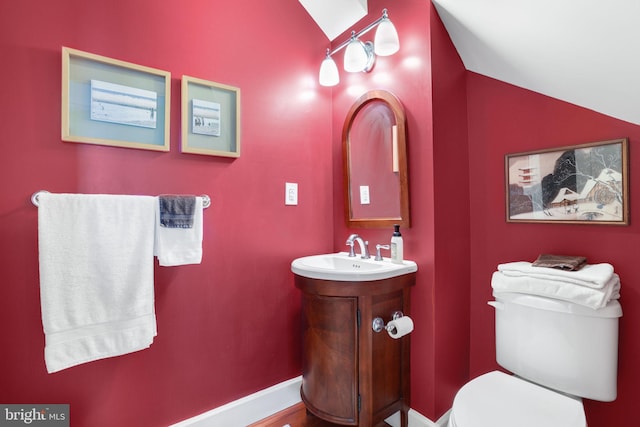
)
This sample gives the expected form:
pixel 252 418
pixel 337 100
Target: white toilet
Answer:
pixel 559 352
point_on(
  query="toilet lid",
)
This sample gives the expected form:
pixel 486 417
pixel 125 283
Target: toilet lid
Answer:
pixel 500 400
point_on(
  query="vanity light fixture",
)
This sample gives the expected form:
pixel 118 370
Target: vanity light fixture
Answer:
pixel 360 56
pixel 329 71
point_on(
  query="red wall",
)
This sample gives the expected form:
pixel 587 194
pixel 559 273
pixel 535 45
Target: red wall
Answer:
pixel 429 79
pixel 460 126
pixel 227 327
pixel 506 119
pixel 451 177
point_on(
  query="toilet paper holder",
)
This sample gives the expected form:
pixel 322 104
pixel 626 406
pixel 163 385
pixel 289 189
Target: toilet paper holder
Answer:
pixel 378 323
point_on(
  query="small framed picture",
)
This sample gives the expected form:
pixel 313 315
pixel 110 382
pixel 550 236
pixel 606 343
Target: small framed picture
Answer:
pixel 581 184
pixel 110 102
pixel 210 118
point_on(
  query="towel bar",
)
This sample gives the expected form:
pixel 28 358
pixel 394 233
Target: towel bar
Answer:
pixel 34 197
pixel 206 200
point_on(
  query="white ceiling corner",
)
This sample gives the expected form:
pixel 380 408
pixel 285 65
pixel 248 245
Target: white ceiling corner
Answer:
pixel 583 52
pixel 335 16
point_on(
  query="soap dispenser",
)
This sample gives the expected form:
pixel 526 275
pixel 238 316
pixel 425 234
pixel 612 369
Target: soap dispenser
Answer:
pixel 396 245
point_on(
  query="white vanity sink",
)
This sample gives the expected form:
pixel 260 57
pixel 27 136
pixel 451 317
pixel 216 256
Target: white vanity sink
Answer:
pixel 341 267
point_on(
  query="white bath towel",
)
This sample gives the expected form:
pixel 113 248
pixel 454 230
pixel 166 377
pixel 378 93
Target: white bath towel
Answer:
pixel 96 276
pixel 582 295
pixel 179 246
pixel 591 275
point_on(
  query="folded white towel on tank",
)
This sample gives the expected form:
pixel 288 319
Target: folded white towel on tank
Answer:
pixel 558 289
pixel 591 275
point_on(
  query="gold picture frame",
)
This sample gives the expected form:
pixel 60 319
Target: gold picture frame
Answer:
pixel 581 184
pixel 210 118
pixel 110 102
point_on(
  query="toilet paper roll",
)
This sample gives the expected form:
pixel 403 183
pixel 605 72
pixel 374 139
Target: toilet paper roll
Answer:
pixel 400 327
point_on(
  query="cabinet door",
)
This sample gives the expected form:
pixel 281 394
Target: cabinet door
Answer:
pixel 330 354
pixel 386 357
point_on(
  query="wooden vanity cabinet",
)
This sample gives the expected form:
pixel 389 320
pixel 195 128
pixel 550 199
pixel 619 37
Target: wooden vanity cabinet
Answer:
pixel 352 375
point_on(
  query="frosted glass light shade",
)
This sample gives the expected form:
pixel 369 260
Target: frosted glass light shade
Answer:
pixel 329 72
pixel 386 41
pixel 355 57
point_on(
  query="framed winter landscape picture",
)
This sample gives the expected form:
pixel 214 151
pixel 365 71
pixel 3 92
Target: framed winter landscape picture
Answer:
pixel 581 184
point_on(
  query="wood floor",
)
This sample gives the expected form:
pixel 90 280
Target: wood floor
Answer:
pixel 295 416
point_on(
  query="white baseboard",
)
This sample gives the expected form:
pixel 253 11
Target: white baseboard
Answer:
pixel 249 409
pixel 416 419
pixel 267 402
pixel 444 420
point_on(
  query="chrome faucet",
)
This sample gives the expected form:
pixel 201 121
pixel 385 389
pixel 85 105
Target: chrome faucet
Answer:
pixel 364 246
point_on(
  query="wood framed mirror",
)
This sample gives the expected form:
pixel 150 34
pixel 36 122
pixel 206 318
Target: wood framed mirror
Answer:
pixel 374 150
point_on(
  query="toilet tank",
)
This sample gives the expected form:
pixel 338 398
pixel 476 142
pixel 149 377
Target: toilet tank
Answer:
pixel 558 344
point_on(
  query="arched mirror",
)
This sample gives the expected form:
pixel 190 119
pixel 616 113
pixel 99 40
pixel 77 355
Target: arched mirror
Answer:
pixel 376 187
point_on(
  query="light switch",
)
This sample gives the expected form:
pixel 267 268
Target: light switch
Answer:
pixel 290 193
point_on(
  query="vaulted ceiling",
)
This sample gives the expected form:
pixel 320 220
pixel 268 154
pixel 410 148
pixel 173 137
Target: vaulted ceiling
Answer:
pixel 586 52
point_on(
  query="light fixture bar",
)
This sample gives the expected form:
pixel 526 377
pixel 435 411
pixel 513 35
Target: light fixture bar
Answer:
pixel 359 55
pixel 359 33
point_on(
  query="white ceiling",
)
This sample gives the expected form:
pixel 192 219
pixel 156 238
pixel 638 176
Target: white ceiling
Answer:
pixel 586 52
pixel 335 16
